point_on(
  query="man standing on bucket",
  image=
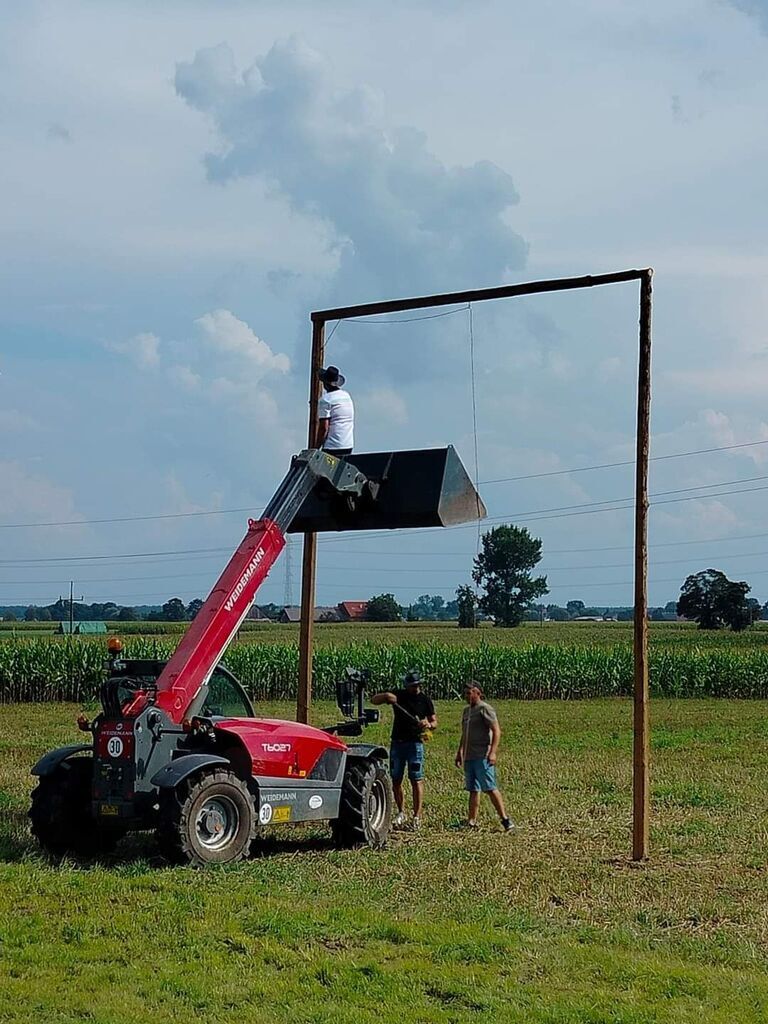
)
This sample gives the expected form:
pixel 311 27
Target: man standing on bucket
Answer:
pixel 414 719
pixel 478 749
pixel 336 414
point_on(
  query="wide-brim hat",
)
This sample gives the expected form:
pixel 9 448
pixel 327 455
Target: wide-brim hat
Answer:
pixel 412 678
pixel 330 375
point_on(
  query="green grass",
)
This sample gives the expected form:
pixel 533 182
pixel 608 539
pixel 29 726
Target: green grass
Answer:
pixel 550 925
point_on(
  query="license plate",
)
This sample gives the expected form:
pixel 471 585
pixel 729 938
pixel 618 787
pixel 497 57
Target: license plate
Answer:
pixel 110 809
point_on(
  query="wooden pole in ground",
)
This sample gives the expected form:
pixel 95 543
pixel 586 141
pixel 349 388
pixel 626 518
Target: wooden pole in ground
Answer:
pixel 641 730
pixel 309 555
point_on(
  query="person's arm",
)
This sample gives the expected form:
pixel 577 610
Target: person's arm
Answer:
pixel 495 737
pixel 459 759
pixel 386 697
pixel 430 719
pixel 323 420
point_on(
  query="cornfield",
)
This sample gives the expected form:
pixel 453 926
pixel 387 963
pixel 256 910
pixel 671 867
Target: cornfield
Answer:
pixel 58 669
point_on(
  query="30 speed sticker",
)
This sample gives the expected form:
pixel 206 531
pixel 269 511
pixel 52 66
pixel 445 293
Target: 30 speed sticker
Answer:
pixel 265 814
pixel 114 746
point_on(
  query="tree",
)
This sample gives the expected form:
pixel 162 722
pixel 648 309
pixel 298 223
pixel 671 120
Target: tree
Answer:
pixel 575 608
pixel 503 570
pixel 556 614
pixel 10 617
pixel 174 610
pixel 30 615
pixel 194 607
pixel 383 608
pixel 467 603
pixel 44 615
pixel 712 600
pixel 126 614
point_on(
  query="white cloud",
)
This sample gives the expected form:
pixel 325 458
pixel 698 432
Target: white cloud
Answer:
pixel 185 377
pixel 142 349
pixel 399 217
pixel 222 331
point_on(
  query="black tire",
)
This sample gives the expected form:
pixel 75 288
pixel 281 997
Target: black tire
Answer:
pixel 208 819
pixel 365 812
pixel 61 816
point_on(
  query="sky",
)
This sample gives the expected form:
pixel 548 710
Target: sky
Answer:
pixel 182 183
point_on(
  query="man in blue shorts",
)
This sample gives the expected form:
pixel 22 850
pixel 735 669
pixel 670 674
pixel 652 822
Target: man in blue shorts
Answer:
pixel 414 716
pixel 478 748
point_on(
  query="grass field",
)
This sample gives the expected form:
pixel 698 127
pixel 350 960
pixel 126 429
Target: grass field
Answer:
pixel 550 925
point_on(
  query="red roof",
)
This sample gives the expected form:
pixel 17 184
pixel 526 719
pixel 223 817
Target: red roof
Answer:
pixel 354 609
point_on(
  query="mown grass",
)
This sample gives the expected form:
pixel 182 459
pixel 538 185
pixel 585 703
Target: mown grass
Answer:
pixel 550 925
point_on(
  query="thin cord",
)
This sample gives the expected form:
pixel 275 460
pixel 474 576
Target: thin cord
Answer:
pixel 408 320
pixel 335 327
pixel 613 465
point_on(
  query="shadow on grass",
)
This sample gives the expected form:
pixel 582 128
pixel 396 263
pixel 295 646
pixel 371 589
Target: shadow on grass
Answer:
pixel 139 849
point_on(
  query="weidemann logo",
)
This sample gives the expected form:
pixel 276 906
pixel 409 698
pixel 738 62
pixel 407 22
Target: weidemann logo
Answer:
pixel 243 581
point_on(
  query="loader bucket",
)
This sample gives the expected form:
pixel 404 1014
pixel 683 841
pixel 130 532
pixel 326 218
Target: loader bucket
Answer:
pixel 407 490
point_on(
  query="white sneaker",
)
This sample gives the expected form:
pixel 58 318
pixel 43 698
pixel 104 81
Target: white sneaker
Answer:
pixel 399 820
pixel 416 823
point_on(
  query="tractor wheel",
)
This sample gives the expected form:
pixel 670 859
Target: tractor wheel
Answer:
pixel 365 812
pixel 61 812
pixel 208 819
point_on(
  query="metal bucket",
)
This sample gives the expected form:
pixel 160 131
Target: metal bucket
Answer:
pixel 408 489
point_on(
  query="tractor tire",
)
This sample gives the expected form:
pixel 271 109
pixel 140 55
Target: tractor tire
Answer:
pixel 61 816
pixel 365 812
pixel 208 819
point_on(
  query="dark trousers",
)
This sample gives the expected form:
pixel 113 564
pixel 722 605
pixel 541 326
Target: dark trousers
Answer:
pixel 338 452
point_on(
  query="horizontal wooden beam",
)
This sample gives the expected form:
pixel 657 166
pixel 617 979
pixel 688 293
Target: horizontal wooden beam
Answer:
pixel 505 291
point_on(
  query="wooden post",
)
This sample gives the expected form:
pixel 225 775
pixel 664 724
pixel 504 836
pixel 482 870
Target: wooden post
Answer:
pixel 309 555
pixel 641 740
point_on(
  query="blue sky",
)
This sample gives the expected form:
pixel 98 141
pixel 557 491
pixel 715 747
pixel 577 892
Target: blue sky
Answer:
pixel 182 183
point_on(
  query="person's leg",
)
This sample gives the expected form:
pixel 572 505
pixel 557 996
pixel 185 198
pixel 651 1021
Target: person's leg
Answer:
pixel 418 797
pixel 474 806
pixel 416 775
pixel 397 792
pixel 472 785
pixel 488 785
pixel 498 802
pixel 397 771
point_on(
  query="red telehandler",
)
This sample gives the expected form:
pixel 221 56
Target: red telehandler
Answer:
pixel 177 746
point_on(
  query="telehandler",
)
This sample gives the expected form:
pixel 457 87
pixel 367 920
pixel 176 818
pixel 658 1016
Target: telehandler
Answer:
pixel 177 746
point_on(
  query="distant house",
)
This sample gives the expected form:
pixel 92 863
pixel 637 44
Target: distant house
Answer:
pixel 588 618
pixel 352 611
pixel 292 613
pixel 89 626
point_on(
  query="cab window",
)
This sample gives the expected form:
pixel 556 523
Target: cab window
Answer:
pixel 225 698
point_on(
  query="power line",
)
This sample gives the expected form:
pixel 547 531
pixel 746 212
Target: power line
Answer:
pixel 249 509
pixel 614 465
pixel 130 519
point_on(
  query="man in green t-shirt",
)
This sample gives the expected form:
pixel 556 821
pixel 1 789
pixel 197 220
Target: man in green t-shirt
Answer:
pixel 478 749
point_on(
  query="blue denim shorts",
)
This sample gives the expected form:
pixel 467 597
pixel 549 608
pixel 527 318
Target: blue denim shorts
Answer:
pixel 402 754
pixel 479 775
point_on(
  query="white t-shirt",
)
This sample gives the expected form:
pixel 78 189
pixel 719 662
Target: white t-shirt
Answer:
pixel 338 408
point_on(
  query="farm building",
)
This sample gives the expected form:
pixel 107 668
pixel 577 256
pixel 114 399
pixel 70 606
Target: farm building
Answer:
pixel 81 628
pixel 292 613
pixel 352 611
